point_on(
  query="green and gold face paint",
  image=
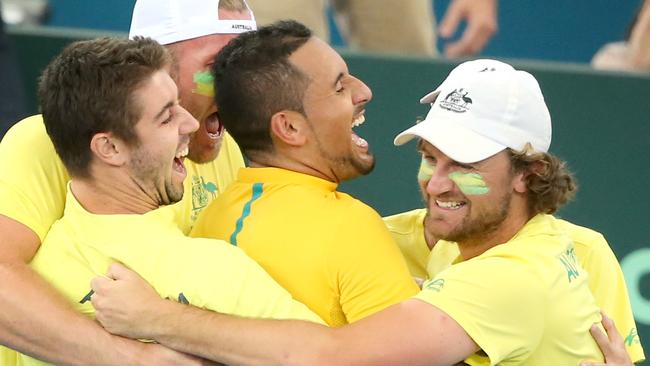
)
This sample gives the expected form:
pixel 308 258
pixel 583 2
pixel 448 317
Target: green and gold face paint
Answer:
pixel 426 170
pixel 470 183
pixel 204 83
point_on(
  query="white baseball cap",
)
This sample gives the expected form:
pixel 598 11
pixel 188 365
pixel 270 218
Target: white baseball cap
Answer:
pixel 467 67
pixel 169 21
pixel 481 109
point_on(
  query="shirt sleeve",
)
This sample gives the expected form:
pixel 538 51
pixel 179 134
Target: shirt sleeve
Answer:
pixel 32 179
pixel 371 271
pixel 607 284
pixel 496 300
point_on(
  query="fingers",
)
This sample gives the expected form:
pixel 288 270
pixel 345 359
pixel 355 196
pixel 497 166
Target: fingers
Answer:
pixel 610 328
pixel 117 271
pixel 450 21
pixel 481 19
pixel 602 340
pixel 99 283
pixel 472 42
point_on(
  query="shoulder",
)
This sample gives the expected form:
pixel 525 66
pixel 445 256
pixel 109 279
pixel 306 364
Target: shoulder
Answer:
pixel 26 132
pixel 405 222
pixel 582 236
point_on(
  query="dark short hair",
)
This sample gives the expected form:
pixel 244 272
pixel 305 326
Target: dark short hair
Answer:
pixel 88 89
pixel 254 80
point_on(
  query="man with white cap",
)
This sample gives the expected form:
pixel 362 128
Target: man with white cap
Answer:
pixel 426 256
pixel 518 296
pixel 34 318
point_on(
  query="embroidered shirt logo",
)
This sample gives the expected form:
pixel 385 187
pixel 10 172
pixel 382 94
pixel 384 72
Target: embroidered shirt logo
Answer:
pixel 435 285
pixel 632 338
pixel 457 101
pixel 202 193
pixel 570 263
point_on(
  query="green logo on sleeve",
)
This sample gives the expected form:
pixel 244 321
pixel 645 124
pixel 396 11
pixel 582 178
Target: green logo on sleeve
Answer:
pixel 570 262
pixel 632 338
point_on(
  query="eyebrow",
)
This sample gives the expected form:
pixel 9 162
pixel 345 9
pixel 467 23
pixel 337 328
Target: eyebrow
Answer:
pixel 166 107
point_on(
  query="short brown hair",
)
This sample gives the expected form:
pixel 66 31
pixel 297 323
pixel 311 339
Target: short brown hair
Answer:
pixel 88 89
pixel 550 183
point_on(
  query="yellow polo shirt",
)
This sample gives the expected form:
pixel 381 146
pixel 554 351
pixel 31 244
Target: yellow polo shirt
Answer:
pixel 524 302
pixel 331 251
pixel 606 279
pixel 206 273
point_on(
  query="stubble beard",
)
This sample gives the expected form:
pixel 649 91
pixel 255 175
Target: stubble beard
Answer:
pixel 474 229
pixel 147 175
pixel 349 160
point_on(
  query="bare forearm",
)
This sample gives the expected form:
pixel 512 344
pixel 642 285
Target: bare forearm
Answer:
pixel 36 320
pixel 237 341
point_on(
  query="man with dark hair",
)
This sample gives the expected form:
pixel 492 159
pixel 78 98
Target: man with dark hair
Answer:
pixel 112 112
pixel 289 101
pixel 33 184
pixel 519 295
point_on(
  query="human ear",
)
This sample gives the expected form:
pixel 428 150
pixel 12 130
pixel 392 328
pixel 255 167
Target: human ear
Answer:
pixel 290 127
pixel 109 149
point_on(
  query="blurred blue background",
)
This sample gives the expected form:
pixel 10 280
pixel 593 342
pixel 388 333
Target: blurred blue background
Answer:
pixel 554 30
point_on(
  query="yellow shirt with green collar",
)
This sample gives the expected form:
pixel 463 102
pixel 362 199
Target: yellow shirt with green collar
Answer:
pixel 206 273
pixel 606 280
pixel 524 302
pixel 331 251
pixel 33 179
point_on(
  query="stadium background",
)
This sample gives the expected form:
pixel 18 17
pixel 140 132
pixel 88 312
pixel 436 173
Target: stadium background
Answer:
pixel 600 119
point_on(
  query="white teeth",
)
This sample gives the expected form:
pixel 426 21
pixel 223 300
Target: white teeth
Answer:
pixel 358 121
pixel 359 141
pixel 182 153
pixel 452 204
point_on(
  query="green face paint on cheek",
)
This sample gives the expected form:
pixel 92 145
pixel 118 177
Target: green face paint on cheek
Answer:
pixel 426 170
pixel 470 183
pixel 204 82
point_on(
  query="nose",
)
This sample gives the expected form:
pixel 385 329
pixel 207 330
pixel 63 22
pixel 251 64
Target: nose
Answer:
pixel 440 183
pixel 362 93
pixel 188 123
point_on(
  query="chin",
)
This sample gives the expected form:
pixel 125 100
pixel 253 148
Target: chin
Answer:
pixel 203 156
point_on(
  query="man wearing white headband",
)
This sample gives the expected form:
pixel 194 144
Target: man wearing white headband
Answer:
pixel 518 296
pixel 34 318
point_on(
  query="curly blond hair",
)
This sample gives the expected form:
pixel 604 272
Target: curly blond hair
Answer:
pixel 549 181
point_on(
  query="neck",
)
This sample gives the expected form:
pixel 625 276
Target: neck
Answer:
pixel 429 238
pixel 479 244
pixel 111 195
pixel 293 163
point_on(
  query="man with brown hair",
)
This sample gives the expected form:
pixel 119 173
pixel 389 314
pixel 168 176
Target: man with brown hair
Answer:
pixel 519 295
pixel 427 256
pixel 120 131
pixel 34 318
